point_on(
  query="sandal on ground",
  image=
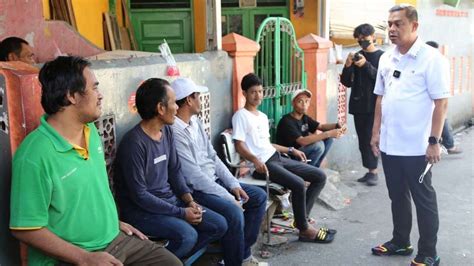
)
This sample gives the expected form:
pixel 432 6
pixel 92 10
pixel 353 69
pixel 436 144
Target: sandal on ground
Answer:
pixel 425 261
pixel 389 248
pixel 331 231
pixel 322 236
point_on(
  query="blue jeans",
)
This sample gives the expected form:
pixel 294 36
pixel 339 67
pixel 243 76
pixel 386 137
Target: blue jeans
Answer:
pixel 317 151
pixel 447 136
pixel 184 238
pixel 243 226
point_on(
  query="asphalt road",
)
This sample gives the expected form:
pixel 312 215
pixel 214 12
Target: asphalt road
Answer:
pixel 367 221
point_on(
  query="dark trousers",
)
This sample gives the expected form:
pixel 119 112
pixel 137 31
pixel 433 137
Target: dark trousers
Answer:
pixel 131 250
pixel 363 124
pixel 447 136
pixel 292 174
pixel 184 238
pixel 402 176
pixel 243 226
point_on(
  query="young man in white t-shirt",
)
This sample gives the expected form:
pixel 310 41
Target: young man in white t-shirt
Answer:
pixel 252 141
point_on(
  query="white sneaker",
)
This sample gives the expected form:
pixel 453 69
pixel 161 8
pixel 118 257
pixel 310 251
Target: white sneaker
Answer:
pixel 254 262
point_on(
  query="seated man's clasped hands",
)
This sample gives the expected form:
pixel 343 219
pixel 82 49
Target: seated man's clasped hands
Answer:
pixel 151 188
pixel 212 183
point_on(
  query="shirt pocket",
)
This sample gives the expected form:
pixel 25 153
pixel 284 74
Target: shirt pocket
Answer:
pixel 413 85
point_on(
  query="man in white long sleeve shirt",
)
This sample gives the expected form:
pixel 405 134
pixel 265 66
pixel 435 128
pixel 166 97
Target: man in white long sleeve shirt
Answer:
pixel 214 186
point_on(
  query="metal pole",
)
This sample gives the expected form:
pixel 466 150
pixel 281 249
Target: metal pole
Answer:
pixel 267 179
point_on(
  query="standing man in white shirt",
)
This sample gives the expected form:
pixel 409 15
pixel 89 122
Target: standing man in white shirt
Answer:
pixel 213 184
pixel 412 87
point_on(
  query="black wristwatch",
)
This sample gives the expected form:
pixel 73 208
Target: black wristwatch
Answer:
pixel 434 140
pixel 290 150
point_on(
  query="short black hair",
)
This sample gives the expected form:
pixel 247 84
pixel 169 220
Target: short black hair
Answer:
pixel 433 44
pixel 363 30
pixel 183 101
pixel 149 94
pixel 410 11
pixel 11 45
pixel 59 78
pixel 249 81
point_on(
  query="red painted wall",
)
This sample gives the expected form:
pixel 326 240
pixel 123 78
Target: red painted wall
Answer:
pixel 24 19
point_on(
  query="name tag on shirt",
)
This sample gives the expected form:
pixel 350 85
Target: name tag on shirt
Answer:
pixel 159 159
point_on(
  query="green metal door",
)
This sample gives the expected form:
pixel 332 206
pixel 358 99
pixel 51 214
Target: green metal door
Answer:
pixel 280 65
pixel 245 21
pixel 154 21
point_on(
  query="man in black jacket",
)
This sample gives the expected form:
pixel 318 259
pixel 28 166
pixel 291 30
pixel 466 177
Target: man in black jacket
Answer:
pixel 359 73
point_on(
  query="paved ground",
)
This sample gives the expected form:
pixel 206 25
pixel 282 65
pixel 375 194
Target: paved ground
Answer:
pixel 367 221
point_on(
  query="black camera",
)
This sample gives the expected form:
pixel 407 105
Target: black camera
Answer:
pixel 356 57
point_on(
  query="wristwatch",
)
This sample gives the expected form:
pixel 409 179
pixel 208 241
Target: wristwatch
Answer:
pixel 290 150
pixel 434 140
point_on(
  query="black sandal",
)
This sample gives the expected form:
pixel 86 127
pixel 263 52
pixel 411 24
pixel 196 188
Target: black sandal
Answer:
pixel 389 248
pixel 323 236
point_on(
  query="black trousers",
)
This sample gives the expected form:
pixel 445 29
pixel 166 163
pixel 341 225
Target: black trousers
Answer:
pixel 402 176
pixel 293 174
pixel 363 124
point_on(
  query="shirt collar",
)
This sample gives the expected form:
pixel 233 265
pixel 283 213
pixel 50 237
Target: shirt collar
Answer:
pixel 180 123
pixel 59 143
pixel 414 49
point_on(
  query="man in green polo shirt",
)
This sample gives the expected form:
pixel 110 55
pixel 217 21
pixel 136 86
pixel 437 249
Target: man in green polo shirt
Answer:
pixel 61 204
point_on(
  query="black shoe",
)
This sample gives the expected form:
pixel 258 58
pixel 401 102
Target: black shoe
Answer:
pixel 364 178
pixel 372 179
pixel 425 261
pixel 389 248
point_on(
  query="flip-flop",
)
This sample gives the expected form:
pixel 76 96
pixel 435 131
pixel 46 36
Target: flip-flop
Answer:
pixel 323 237
pixel 331 231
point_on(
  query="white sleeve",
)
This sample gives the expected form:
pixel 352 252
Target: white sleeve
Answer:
pixel 239 126
pixel 379 88
pixel 437 77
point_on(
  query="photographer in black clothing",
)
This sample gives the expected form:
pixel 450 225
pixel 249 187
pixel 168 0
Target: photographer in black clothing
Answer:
pixel 359 73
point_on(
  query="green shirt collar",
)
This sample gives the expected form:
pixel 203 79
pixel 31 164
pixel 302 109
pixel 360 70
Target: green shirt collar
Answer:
pixel 59 143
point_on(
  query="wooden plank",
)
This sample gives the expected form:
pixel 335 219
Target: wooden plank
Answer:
pixel 116 30
pixel 70 11
pixel 129 26
pixel 55 10
pixel 125 39
pixel 63 11
pixel 110 32
pixel 107 45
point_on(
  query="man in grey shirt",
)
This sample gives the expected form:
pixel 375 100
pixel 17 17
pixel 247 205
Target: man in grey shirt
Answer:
pixel 213 184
